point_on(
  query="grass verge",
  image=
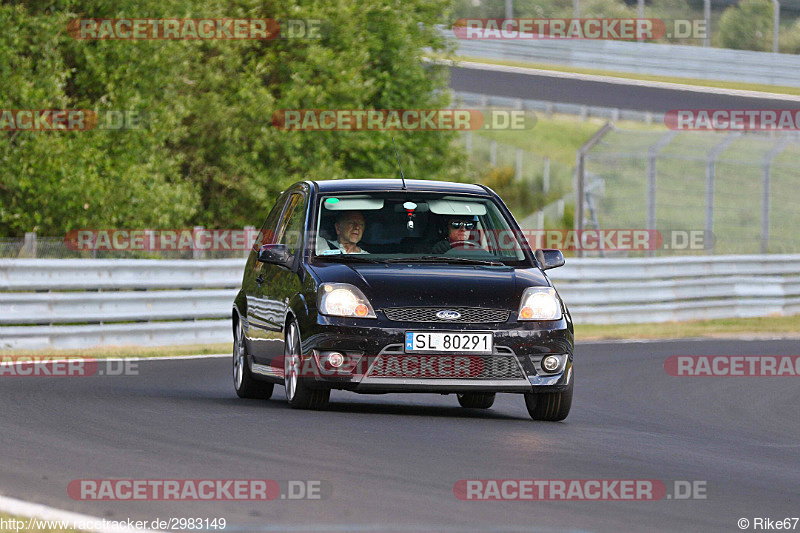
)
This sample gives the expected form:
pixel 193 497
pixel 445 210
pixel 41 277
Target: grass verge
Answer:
pixel 129 351
pixel 740 86
pixel 788 326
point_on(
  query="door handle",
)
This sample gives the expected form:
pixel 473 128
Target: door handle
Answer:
pixel 259 279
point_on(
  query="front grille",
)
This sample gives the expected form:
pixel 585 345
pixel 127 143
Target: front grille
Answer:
pixel 473 315
pixel 413 366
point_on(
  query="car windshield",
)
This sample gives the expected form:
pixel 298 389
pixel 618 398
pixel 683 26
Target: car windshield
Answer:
pixel 416 227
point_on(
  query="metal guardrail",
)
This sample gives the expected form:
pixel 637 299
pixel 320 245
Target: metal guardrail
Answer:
pixel 79 303
pixel 613 291
pixel 106 302
pixel 548 108
pixel 642 58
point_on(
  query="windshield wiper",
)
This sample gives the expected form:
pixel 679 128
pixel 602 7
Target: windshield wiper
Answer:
pixel 443 259
pixel 351 258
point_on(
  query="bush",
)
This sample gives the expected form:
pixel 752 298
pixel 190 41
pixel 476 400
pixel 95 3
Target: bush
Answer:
pixel 747 26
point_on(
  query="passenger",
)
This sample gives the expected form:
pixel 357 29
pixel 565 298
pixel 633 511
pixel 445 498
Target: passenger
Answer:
pixel 349 227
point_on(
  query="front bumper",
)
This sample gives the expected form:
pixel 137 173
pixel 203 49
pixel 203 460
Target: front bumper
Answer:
pixel 371 346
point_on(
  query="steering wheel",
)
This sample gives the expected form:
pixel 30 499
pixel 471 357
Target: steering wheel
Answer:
pixel 464 245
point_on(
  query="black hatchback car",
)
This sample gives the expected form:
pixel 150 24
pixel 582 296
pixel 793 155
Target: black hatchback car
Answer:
pixel 379 286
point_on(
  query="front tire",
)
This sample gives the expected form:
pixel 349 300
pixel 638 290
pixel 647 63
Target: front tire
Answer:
pixel 298 394
pixel 476 400
pixel 550 406
pixel 244 383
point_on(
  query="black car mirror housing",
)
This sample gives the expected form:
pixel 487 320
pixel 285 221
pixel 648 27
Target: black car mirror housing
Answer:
pixel 549 258
pixel 276 254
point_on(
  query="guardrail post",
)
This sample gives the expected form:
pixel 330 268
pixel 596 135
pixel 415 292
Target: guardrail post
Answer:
pixel 493 153
pixel 518 172
pixel 468 142
pixel 580 176
pixel 765 190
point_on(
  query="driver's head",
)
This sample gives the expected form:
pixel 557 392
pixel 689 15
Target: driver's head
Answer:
pixel 349 227
pixel 460 228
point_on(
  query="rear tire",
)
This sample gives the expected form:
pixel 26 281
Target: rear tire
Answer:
pixel 476 400
pixel 550 406
pixel 244 383
pixel 298 394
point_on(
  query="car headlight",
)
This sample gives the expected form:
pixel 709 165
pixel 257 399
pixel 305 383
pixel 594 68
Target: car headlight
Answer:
pixel 343 299
pixel 539 303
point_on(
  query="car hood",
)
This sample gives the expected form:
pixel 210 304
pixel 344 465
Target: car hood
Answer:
pixel 416 284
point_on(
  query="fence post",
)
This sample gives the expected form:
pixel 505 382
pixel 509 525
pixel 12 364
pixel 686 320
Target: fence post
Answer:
pixel 640 14
pixel 546 178
pixel 776 25
pixel 29 245
pixel 765 189
pixel 248 235
pixel 493 153
pixel 197 253
pixel 707 17
pixel 518 173
pixel 580 176
pixel 468 142
pixel 711 176
pixel 652 157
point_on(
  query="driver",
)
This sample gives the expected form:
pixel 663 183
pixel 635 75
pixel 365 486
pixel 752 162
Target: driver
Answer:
pixel 459 231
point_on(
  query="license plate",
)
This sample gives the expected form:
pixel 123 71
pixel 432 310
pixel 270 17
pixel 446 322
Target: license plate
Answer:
pixel 434 341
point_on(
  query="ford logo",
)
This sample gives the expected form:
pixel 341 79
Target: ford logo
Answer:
pixel 448 315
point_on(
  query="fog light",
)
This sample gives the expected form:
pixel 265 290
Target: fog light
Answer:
pixel 550 363
pixel 335 359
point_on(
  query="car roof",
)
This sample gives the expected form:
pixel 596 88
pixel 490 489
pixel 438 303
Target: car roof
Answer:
pixel 374 185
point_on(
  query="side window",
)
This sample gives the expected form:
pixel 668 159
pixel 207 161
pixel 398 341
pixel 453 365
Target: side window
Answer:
pixel 270 227
pixel 290 231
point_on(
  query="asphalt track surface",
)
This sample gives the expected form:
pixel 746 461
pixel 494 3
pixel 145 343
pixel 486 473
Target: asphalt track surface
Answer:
pixel 600 93
pixel 392 460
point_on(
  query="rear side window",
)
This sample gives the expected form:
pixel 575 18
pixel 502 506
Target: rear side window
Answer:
pixel 290 231
pixel 270 228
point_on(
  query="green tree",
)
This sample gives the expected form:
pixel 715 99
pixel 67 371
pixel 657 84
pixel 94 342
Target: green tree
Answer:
pixel 747 26
pixel 210 155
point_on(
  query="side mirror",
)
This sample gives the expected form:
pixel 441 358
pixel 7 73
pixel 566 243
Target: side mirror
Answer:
pixel 549 258
pixel 275 254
